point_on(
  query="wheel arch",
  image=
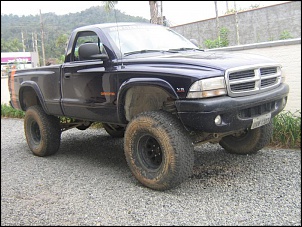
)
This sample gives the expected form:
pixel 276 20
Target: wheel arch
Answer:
pixel 30 95
pixel 154 90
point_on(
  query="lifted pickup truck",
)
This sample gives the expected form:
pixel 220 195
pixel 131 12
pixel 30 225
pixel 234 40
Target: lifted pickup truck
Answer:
pixel 156 89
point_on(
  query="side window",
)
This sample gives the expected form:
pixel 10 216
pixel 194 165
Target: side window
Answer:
pixel 86 37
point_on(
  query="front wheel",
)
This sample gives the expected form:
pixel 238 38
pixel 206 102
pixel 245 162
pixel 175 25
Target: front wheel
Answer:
pixel 42 131
pixel 158 151
pixel 249 141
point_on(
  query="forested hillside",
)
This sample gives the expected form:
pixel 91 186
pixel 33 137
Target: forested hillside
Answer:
pixel 57 29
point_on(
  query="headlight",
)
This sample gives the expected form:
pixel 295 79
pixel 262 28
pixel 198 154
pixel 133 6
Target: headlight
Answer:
pixel 282 75
pixel 207 88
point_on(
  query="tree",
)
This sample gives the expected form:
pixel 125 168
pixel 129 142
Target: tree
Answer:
pixel 153 12
pixel 109 5
pixel 11 46
pixel 55 26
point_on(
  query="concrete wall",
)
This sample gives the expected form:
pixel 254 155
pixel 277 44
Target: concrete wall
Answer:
pixel 256 25
pixel 288 54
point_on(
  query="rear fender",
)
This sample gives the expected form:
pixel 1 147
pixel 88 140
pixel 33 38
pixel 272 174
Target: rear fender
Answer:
pixel 29 89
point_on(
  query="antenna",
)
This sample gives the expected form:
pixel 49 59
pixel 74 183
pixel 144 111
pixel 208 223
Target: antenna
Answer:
pixel 119 41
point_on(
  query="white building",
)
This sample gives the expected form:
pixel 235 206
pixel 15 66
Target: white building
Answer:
pixel 19 60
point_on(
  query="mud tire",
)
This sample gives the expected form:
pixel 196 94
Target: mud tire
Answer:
pixel 42 131
pixel 250 142
pixel 158 151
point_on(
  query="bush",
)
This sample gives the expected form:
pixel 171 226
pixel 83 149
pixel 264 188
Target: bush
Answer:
pixel 287 130
pixel 285 35
pixel 221 41
pixel 8 111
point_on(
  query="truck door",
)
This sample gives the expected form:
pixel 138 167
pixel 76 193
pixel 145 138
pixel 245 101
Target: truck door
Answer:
pixel 88 87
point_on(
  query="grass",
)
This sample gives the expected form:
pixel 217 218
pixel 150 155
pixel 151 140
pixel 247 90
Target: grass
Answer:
pixel 287 130
pixel 287 127
pixel 7 111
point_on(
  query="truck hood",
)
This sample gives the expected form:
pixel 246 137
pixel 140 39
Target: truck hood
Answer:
pixel 206 60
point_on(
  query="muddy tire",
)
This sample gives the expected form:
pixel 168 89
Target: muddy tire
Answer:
pixel 249 142
pixel 158 151
pixel 42 131
pixel 114 130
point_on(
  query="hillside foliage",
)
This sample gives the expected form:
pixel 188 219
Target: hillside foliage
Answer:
pixel 57 29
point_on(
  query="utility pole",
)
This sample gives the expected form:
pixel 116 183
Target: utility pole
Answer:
pixel 217 21
pixel 33 41
pixel 236 21
pixel 160 6
pixel 42 39
pixel 36 42
pixel 23 46
pixel 36 48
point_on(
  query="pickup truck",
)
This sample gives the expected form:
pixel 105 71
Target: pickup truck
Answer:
pixel 157 90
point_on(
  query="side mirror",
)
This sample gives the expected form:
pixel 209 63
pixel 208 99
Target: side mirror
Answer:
pixel 91 51
pixel 194 41
pixel 103 57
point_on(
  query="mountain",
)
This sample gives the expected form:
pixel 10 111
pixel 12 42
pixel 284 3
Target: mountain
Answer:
pixel 56 27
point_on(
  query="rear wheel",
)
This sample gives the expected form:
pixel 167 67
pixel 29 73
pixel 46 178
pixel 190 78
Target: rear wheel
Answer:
pixel 158 151
pixel 42 131
pixel 249 141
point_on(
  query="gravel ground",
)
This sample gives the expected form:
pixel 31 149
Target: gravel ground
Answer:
pixel 88 183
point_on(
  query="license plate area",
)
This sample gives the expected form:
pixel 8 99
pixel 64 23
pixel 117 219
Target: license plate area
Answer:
pixel 261 120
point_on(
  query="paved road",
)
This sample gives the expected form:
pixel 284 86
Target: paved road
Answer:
pixel 88 183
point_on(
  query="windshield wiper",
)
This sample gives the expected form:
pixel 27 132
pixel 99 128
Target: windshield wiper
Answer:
pixel 148 51
pixel 185 49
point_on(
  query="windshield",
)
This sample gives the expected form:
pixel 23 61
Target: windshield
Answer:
pixel 136 38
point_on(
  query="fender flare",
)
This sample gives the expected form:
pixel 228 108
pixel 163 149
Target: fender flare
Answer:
pixel 37 90
pixel 140 82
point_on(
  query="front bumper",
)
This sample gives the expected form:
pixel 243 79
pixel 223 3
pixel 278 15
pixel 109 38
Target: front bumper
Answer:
pixel 236 113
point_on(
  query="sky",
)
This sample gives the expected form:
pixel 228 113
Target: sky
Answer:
pixel 177 12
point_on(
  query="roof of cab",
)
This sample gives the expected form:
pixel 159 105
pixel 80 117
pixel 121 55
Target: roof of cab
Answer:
pixel 108 25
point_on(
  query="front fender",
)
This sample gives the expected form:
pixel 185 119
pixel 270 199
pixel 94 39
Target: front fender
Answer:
pixel 140 82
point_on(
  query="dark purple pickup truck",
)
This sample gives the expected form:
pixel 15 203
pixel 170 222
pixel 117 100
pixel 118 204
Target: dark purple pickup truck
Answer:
pixel 156 89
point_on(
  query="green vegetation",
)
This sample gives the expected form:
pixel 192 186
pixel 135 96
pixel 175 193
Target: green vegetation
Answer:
pixel 287 130
pixel 57 29
pixel 7 111
pixel 221 41
pixel 231 11
pixel 285 35
pixel 287 126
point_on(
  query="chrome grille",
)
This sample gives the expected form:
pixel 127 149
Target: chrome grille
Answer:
pixel 241 75
pixel 268 82
pixel 252 80
pixel 243 86
pixel 270 70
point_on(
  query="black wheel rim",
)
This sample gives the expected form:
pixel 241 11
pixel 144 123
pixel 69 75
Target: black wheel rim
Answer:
pixel 150 153
pixel 35 132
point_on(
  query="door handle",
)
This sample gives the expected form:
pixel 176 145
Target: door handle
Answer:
pixel 67 75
